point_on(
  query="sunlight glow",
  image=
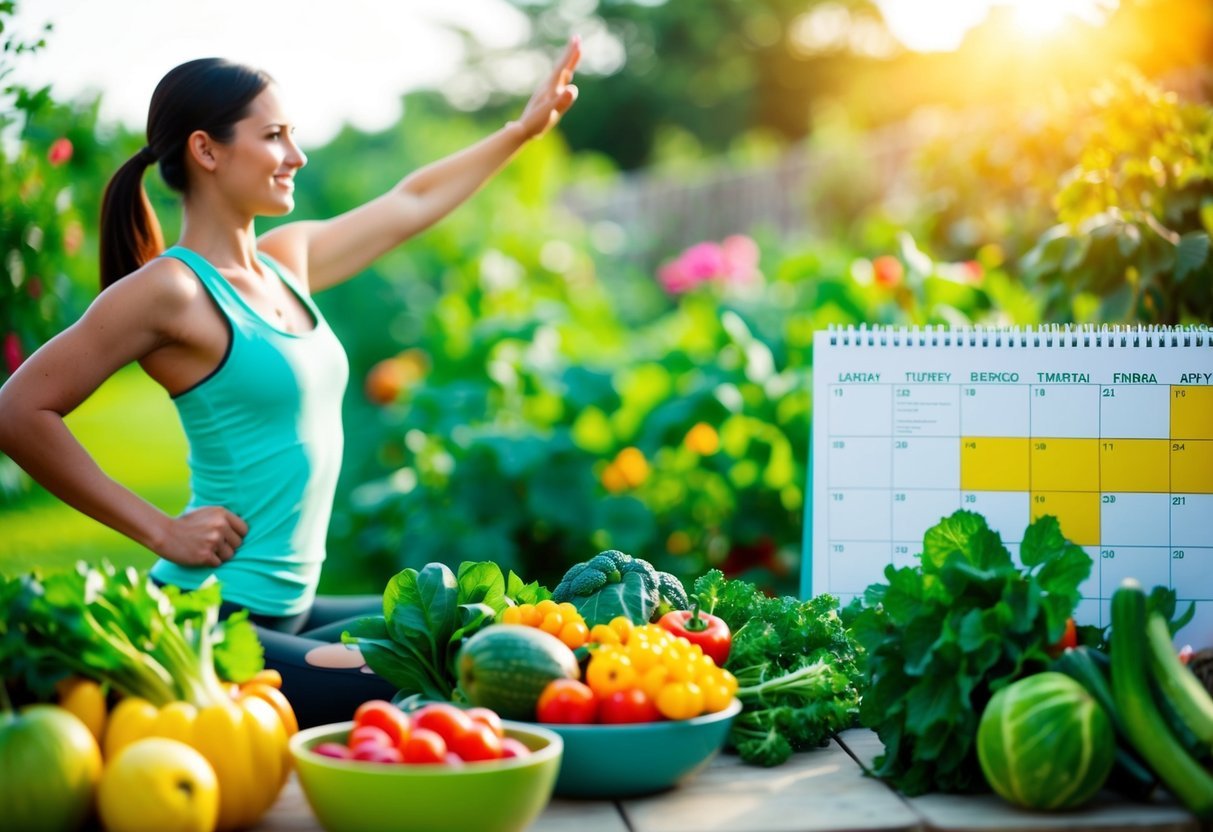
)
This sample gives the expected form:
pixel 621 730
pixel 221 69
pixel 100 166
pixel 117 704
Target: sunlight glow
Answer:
pixel 940 25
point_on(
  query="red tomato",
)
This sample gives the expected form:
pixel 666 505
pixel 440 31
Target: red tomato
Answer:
pixel 488 717
pixel 479 743
pixel 363 734
pixel 372 753
pixel 386 716
pixel 1069 638
pixel 445 720
pixel 424 746
pixel 631 705
pixel 333 749
pixel 511 747
pixel 567 701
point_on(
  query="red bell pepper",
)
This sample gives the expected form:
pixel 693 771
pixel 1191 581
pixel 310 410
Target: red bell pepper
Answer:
pixel 709 632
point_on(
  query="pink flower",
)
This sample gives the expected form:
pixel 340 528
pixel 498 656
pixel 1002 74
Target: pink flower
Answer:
pixel 674 278
pixel 12 352
pixel 60 152
pixel 740 258
pixel 972 271
pixel 703 261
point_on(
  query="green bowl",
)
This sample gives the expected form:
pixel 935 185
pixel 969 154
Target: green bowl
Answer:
pixel 494 796
pixel 642 758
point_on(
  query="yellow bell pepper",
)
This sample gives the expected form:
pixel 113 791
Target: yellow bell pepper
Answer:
pixel 245 742
pixel 86 699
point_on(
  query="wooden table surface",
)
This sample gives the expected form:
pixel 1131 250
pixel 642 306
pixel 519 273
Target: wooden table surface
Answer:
pixel 818 791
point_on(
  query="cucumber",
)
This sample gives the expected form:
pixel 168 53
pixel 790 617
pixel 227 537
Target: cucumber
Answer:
pixel 1191 702
pixel 1129 776
pixel 1143 724
pixel 505 667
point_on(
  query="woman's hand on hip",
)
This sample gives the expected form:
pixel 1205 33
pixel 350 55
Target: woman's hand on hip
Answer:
pixel 207 536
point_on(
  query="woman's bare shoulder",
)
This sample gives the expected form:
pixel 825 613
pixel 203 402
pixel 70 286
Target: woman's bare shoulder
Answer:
pixel 164 284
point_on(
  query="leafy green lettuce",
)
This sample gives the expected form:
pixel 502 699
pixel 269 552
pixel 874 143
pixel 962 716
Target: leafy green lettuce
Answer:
pixel 427 615
pixel 942 637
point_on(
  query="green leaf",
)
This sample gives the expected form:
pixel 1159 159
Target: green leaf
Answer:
pixel 1063 573
pixel 966 534
pixel 238 653
pixel 481 583
pixel 931 701
pixel 630 597
pixel 1191 253
pixel 423 608
pixel 1041 539
pixel 524 593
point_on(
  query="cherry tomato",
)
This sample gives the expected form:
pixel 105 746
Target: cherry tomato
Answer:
pixel 443 719
pixel 623 706
pixel 479 743
pixel 487 717
pixel 1069 638
pixel 511 747
pixel 567 701
pixel 333 749
pixel 371 753
pixel 363 734
pixel 424 746
pixel 386 716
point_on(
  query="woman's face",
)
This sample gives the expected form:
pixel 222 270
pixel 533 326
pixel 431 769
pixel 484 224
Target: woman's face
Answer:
pixel 258 166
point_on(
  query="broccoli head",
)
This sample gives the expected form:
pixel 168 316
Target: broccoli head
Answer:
pixel 673 593
pixel 584 579
pixel 660 592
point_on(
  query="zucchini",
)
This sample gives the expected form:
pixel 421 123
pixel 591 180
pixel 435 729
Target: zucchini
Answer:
pixel 1143 723
pixel 1187 696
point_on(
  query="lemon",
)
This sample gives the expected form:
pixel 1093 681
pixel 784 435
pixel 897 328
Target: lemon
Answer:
pixel 158 785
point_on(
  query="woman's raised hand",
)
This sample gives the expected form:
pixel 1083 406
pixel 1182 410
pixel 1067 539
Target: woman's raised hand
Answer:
pixel 554 96
pixel 207 536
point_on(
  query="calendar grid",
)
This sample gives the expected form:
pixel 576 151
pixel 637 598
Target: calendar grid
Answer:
pixel 1115 441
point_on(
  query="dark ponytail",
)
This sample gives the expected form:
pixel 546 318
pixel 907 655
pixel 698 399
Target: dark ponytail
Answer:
pixel 209 94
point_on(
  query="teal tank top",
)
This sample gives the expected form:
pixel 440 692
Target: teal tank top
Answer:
pixel 265 442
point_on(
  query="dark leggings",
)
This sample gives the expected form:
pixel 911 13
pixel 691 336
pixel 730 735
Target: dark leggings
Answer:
pixel 318 694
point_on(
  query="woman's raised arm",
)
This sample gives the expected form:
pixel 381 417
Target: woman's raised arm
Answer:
pixel 331 251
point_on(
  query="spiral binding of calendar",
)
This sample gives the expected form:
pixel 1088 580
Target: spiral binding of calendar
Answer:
pixel 1059 336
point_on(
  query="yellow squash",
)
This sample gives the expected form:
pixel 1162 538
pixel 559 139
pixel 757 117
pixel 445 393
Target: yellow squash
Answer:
pixel 244 741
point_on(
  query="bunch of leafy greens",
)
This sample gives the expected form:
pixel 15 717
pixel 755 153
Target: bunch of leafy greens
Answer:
pixel 119 627
pixel 942 638
pixel 427 615
pixel 795 665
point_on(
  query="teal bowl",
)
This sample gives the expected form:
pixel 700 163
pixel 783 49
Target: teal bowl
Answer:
pixel 608 761
pixel 493 796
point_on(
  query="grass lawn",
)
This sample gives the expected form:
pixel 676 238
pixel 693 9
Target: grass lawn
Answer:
pixel 130 427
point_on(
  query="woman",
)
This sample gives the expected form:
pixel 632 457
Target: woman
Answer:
pixel 224 322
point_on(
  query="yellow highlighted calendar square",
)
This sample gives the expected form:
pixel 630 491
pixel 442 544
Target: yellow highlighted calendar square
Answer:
pixel 1192 466
pixel 994 463
pixel 1135 465
pixel 1078 514
pixel 1065 464
pixel 1191 412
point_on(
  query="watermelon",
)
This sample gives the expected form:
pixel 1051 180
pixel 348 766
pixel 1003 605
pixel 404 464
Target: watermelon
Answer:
pixel 505 668
pixel 1045 743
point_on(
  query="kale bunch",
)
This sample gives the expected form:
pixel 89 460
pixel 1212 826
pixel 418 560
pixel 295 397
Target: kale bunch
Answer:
pixel 796 667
